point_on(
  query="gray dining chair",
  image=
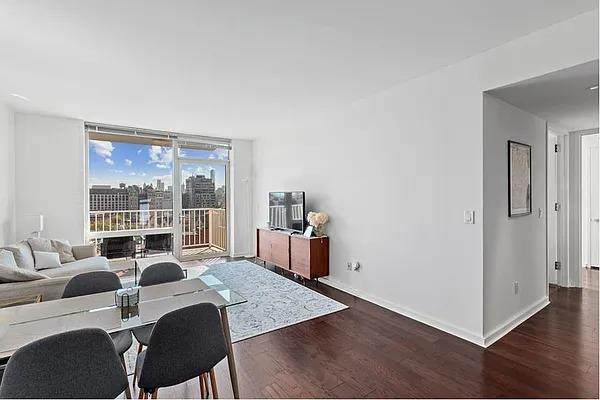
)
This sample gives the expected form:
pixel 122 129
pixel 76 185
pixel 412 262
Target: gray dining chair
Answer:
pixel 185 344
pixel 155 274
pixel 75 364
pixel 98 282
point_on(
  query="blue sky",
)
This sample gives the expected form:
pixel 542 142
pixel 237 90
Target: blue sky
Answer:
pixel 111 163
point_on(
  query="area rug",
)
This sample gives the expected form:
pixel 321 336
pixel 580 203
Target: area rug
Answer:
pixel 274 301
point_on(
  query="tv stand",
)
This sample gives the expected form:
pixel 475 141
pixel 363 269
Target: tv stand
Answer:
pixel 307 257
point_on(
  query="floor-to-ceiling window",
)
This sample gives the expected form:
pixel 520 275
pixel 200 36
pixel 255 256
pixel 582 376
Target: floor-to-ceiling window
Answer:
pixel 153 192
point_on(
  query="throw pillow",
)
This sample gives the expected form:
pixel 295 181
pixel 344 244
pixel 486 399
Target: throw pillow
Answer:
pixel 23 255
pixel 7 259
pixel 46 260
pixel 40 244
pixel 9 274
pixel 64 250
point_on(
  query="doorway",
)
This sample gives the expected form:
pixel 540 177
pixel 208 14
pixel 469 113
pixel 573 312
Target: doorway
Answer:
pixel 202 191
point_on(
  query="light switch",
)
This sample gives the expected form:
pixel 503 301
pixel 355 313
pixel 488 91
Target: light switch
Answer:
pixel 469 216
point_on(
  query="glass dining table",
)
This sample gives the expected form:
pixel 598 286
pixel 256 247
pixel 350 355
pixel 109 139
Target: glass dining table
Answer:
pixel 20 325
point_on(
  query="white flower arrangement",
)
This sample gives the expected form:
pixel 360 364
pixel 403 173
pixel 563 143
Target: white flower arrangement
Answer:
pixel 318 221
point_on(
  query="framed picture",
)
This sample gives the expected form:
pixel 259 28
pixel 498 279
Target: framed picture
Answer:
pixel 519 179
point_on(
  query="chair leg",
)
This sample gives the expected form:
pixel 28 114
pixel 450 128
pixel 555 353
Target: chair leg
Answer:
pixel 155 393
pixel 213 384
pixel 206 384
pixel 140 348
pixel 128 390
pixel 142 394
pixel 202 387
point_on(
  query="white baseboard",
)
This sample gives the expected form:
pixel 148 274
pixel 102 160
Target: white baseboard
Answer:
pixel 246 255
pixel 427 320
pixel 514 321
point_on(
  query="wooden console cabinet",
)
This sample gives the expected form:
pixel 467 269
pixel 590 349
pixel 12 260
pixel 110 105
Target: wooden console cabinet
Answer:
pixel 307 257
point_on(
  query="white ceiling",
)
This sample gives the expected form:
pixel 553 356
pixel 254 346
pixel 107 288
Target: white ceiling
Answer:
pixel 563 98
pixel 240 68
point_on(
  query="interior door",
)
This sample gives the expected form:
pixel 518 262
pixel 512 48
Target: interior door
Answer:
pixel 594 204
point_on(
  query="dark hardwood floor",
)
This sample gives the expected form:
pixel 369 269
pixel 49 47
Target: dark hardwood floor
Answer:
pixel 368 351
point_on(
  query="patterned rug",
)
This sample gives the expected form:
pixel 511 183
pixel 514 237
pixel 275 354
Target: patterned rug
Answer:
pixel 274 301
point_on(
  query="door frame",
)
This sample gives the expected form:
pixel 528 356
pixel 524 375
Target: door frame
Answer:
pixel 178 161
pixel 562 198
pixel 588 224
pixel 574 192
pixel 553 214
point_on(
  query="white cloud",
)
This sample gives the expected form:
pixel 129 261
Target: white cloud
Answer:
pixel 128 162
pixel 160 155
pixel 132 174
pixel 102 148
pixel 161 166
pixel 139 151
pixel 109 161
pixel 116 171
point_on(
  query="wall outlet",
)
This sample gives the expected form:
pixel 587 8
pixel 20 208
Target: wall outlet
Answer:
pixel 353 265
pixel 516 284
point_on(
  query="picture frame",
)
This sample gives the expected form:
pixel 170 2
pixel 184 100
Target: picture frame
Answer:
pixel 519 179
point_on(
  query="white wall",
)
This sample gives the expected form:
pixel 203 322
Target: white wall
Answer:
pixel 241 198
pixel 514 248
pixel 50 176
pixel 397 170
pixel 7 175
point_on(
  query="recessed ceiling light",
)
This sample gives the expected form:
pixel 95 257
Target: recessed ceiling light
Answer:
pixel 595 87
pixel 18 96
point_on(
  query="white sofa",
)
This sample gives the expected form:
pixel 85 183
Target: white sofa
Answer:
pixel 50 288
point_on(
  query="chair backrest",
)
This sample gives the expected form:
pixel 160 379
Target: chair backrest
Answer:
pixel 76 364
pixel 92 282
pixel 162 272
pixel 184 344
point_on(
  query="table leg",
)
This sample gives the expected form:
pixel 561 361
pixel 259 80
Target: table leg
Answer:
pixel 230 357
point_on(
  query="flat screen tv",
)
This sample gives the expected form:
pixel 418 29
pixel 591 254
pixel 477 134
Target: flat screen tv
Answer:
pixel 286 211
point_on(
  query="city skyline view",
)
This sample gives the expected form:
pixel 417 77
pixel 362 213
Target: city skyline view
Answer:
pixel 112 163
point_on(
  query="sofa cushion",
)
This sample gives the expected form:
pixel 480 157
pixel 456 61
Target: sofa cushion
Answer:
pixel 7 259
pixel 16 274
pixel 64 250
pixel 78 267
pixel 46 260
pixel 40 244
pixel 23 255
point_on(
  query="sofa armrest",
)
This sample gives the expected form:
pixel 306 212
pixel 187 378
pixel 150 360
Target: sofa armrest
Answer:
pixel 84 251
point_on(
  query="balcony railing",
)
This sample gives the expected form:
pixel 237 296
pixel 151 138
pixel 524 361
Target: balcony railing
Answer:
pixel 199 226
